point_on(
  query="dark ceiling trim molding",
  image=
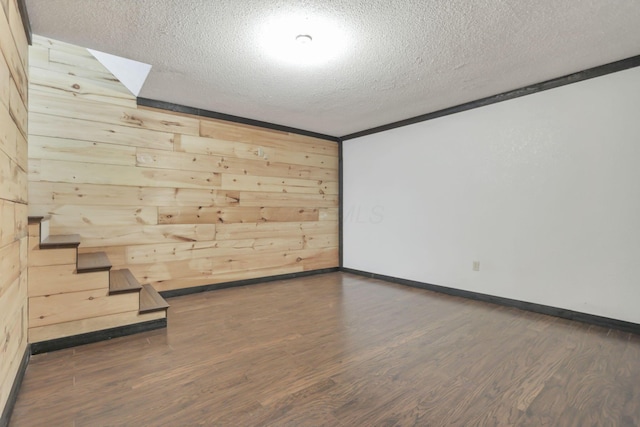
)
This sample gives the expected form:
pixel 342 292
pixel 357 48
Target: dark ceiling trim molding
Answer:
pixel 591 73
pixel 177 108
pixel 26 23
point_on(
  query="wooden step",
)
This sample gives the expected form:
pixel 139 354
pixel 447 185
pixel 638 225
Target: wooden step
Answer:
pixel 61 241
pixel 36 219
pixel 121 281
pixel 96 261
pixel 150 300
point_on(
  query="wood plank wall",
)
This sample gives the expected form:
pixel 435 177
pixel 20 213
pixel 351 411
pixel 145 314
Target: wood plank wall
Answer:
pixel 13 195
pixel 180 200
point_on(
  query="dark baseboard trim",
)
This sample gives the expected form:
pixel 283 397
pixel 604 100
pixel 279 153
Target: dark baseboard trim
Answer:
pixel 177 108
pixel 92 337
pixel 26 23
pixel 591 73
pixel 590 319
pixel 15 388
pixel 247 282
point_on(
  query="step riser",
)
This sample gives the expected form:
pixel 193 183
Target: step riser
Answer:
pixel 78 306
pixel 62 279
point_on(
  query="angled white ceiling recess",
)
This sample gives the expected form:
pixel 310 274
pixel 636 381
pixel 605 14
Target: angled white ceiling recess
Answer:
pixel 382 61
pixel 130 73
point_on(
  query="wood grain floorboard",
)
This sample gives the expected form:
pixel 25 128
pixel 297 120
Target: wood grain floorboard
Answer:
pixel 340 350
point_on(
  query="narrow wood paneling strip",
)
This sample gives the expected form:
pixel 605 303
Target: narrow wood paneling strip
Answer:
pixel 5 76
pixel 86 173
pixel 39 57
pixel 321 241
pixel 88 96
pixel 18 31
pixel 17 108
pixel 72 49
pixel 229 164
pixel 170 252
pixel 75 150
pixel 267 229
pixel 118 195
pixel 22 152
pixel 218 129
pixel 62 279
pixel 12 57
pixel 9 265
pixel 141 234
pixel 21 220
pixel 277 185
pixel 7 223
pixel 220 147
pixel 76 59
pixel 113 114
pixel 62 127
pixel 248 198
pixel 11 301
pixel 48 310
pixel 13 180
pixel 99 216
pixel 8 131
pixel 204 215
pixel 13 341
pixel 306 257
pixel 191 268
pixel 72 87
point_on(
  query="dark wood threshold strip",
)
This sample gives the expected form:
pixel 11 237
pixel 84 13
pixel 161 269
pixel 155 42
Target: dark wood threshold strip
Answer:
pixel 590 319
pixel 61 241
pixel 246 282
pixel 96 261
pixel 91 337
pixel 15 388
pixel 150 300
pixel 121 281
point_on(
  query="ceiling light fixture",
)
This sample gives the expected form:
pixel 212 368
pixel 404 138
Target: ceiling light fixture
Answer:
pixel 304 39
pixel 287 38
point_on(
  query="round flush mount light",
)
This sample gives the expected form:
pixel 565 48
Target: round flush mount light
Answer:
pixel 287 38
pixel 304 38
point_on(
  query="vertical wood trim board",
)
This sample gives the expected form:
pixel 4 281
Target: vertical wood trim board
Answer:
pixel 182 201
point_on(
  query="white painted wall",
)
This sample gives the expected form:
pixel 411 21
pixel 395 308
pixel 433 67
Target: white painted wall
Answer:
pixel 543 190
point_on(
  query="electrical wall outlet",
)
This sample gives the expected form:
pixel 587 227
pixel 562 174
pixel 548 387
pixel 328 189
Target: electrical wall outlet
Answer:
pixel 476 265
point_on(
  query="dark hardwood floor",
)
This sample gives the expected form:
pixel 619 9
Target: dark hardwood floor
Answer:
pixel 340 350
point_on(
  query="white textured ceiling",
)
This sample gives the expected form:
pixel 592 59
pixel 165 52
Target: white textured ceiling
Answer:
pixel 398 58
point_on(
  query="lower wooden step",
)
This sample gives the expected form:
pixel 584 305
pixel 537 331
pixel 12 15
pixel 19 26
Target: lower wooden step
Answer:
pixel 96 261
pixel 121 281
pixel 150 300
pixel 61 241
